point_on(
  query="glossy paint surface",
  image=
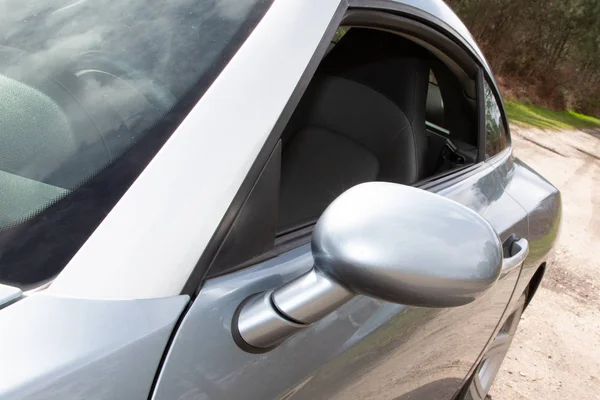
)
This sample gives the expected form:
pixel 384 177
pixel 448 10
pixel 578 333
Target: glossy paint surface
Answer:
pixel 543 203
pixel 66 348
pixel 376 239
pixel 366 242
pixel 364 348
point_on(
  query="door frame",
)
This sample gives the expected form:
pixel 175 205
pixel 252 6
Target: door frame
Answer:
pixel 397 17
pixel 197 276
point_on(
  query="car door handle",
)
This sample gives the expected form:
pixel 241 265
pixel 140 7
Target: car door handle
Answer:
pixel 517 252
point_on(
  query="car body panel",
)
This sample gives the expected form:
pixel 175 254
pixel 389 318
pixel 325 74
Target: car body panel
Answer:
pixel 543 203
pixel 366 347
pixel 84 338
pixel 360 349
pixel 66 348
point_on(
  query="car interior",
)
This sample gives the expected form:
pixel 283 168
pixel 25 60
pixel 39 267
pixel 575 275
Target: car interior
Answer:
pixel 371 113
pixel 380 107
pixel 79 127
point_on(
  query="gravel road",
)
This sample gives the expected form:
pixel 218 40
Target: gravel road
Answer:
pixel 556 353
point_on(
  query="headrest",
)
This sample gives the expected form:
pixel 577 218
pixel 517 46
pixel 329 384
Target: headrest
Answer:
pixel 392 65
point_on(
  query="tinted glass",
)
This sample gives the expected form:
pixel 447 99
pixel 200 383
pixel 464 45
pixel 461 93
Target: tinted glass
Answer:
pixel 89 91
pixel 496 138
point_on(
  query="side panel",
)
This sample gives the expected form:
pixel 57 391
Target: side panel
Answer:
pixel 65 348
pixel 542 202
pixel 365 349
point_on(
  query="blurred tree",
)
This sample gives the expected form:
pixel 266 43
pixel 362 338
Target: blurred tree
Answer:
pixel 545 51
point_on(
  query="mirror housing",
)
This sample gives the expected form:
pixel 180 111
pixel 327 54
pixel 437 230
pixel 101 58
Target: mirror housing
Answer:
pixel 406 245
pixel 383 240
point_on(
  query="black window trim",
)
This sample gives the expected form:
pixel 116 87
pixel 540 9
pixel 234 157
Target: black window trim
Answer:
pixel 500 157
pixel 481 143
pixel 201 269
pixel 493 159
pixel 297 238
pixel 500 101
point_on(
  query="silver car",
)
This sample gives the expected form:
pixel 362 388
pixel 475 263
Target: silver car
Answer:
pixel 258 199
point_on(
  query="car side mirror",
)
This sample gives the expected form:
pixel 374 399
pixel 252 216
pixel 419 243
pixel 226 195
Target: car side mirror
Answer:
pixel 383 240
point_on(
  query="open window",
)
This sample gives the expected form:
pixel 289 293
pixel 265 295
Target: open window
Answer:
pixel 373 111
pixel 381 106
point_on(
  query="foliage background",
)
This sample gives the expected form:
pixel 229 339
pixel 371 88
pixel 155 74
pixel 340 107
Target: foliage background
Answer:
pixel 545 52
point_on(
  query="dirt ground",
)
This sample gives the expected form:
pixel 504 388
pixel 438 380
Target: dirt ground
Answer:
pixel 556 353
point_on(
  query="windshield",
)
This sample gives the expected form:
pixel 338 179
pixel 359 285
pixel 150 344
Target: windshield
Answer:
pixel 89 91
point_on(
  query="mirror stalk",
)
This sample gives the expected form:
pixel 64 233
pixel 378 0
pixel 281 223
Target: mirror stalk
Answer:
pixel 267 319
pixel 389 242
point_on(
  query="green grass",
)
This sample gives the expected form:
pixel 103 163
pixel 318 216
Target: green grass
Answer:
pixel 528 114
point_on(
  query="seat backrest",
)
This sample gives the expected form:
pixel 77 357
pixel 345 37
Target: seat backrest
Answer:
pixel 347 139
pixel 396 68
pixel 365 117
pixel 353 126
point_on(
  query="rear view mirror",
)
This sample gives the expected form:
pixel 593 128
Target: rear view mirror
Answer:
pixel 387 241
pixel 407 246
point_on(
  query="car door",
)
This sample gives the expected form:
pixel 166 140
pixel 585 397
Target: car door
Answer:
pixel 364 349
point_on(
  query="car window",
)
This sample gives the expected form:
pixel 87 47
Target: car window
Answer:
pixel 362 118
pixel 89 91
pixel 496 138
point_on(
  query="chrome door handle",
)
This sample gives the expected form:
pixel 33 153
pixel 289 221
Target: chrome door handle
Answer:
pixel 518 251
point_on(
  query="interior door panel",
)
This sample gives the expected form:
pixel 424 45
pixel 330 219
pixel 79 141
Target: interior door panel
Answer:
pixel 365 349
